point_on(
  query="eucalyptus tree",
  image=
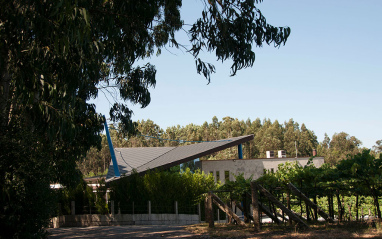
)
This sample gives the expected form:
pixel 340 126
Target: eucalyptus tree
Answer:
pixel 291 130
pixel 254 147
pixel 307 141
pixel 378 146
pixel 147 128
pixel 323 147
pixel 172 132
pixel 273 137
pixel 56 55
pixel 260 136
pixel 341 145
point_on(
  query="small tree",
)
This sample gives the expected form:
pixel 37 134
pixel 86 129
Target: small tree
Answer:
pixel 366 171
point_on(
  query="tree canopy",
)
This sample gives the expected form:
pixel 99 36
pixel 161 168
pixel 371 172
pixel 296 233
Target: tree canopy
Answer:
pixel 378 146
pixel 57 55
pixel 339 147
pixel 268 135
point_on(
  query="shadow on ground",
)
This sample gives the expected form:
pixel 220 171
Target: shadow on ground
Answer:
pixel 116 232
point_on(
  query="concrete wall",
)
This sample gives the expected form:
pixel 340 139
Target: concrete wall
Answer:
pixel 124 219
pixel 249 167
pixel 166 219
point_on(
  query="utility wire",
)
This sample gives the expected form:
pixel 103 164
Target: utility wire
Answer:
pixel 183 141
pixel 177 140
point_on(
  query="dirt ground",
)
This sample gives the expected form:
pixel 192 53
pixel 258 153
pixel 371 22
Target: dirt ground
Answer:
pixel 119 232
pixel 320 231
pixel 201 231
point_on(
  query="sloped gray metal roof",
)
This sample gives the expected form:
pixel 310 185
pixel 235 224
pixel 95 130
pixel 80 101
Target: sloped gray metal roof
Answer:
pixel 143 159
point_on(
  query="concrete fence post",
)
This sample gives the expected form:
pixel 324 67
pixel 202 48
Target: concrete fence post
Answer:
pixel 176 212
pixel 73 207
pixel 149 208
pixel 112 207
pixel 133 212
pixel 199 213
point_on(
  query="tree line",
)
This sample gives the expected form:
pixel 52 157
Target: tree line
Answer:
pixel 268 135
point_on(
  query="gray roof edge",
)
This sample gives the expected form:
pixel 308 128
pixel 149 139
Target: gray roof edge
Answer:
pixel 234 141
pixel 145 147
pixel 242 139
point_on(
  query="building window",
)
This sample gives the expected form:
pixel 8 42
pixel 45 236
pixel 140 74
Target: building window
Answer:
pixel 212 173
pixel 217 176
pixel 226 176
pixel 264 171
pixel 272 170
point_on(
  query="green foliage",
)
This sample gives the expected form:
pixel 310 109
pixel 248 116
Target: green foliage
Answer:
pixel 237 188
pixel 364 172
pixel 162 188
pixel 357 175
pixel 230 29
pixel 339 147
pixel 92 174
pixel 81 194
pixel 25 194
pixel 378 147
pixel 100 203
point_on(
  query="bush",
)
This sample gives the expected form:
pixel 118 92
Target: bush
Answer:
pixel 162 188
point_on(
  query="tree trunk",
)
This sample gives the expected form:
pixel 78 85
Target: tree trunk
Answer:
pixel 229 216
pixel 339 206
pixel 288 205
pixel 300 198
pixel 300 207
pixel 315 209
pixel 283 214
pixel 245 208
pixel 330 205
pixel 307 210
pixel 210 212
pixel 343 207
pixel 274 210
pixel 376 203
pixel 255 207
pixel 356 206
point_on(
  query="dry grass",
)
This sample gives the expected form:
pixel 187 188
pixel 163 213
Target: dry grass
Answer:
pixel 319 231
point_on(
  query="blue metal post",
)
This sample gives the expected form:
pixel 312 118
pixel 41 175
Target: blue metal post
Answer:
pixel 240 150
pixel 113 158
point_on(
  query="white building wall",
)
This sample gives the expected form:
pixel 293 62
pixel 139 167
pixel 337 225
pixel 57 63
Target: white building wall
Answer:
pixel 249 167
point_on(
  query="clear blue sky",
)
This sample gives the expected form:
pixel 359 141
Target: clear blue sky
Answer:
pixel 328 75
